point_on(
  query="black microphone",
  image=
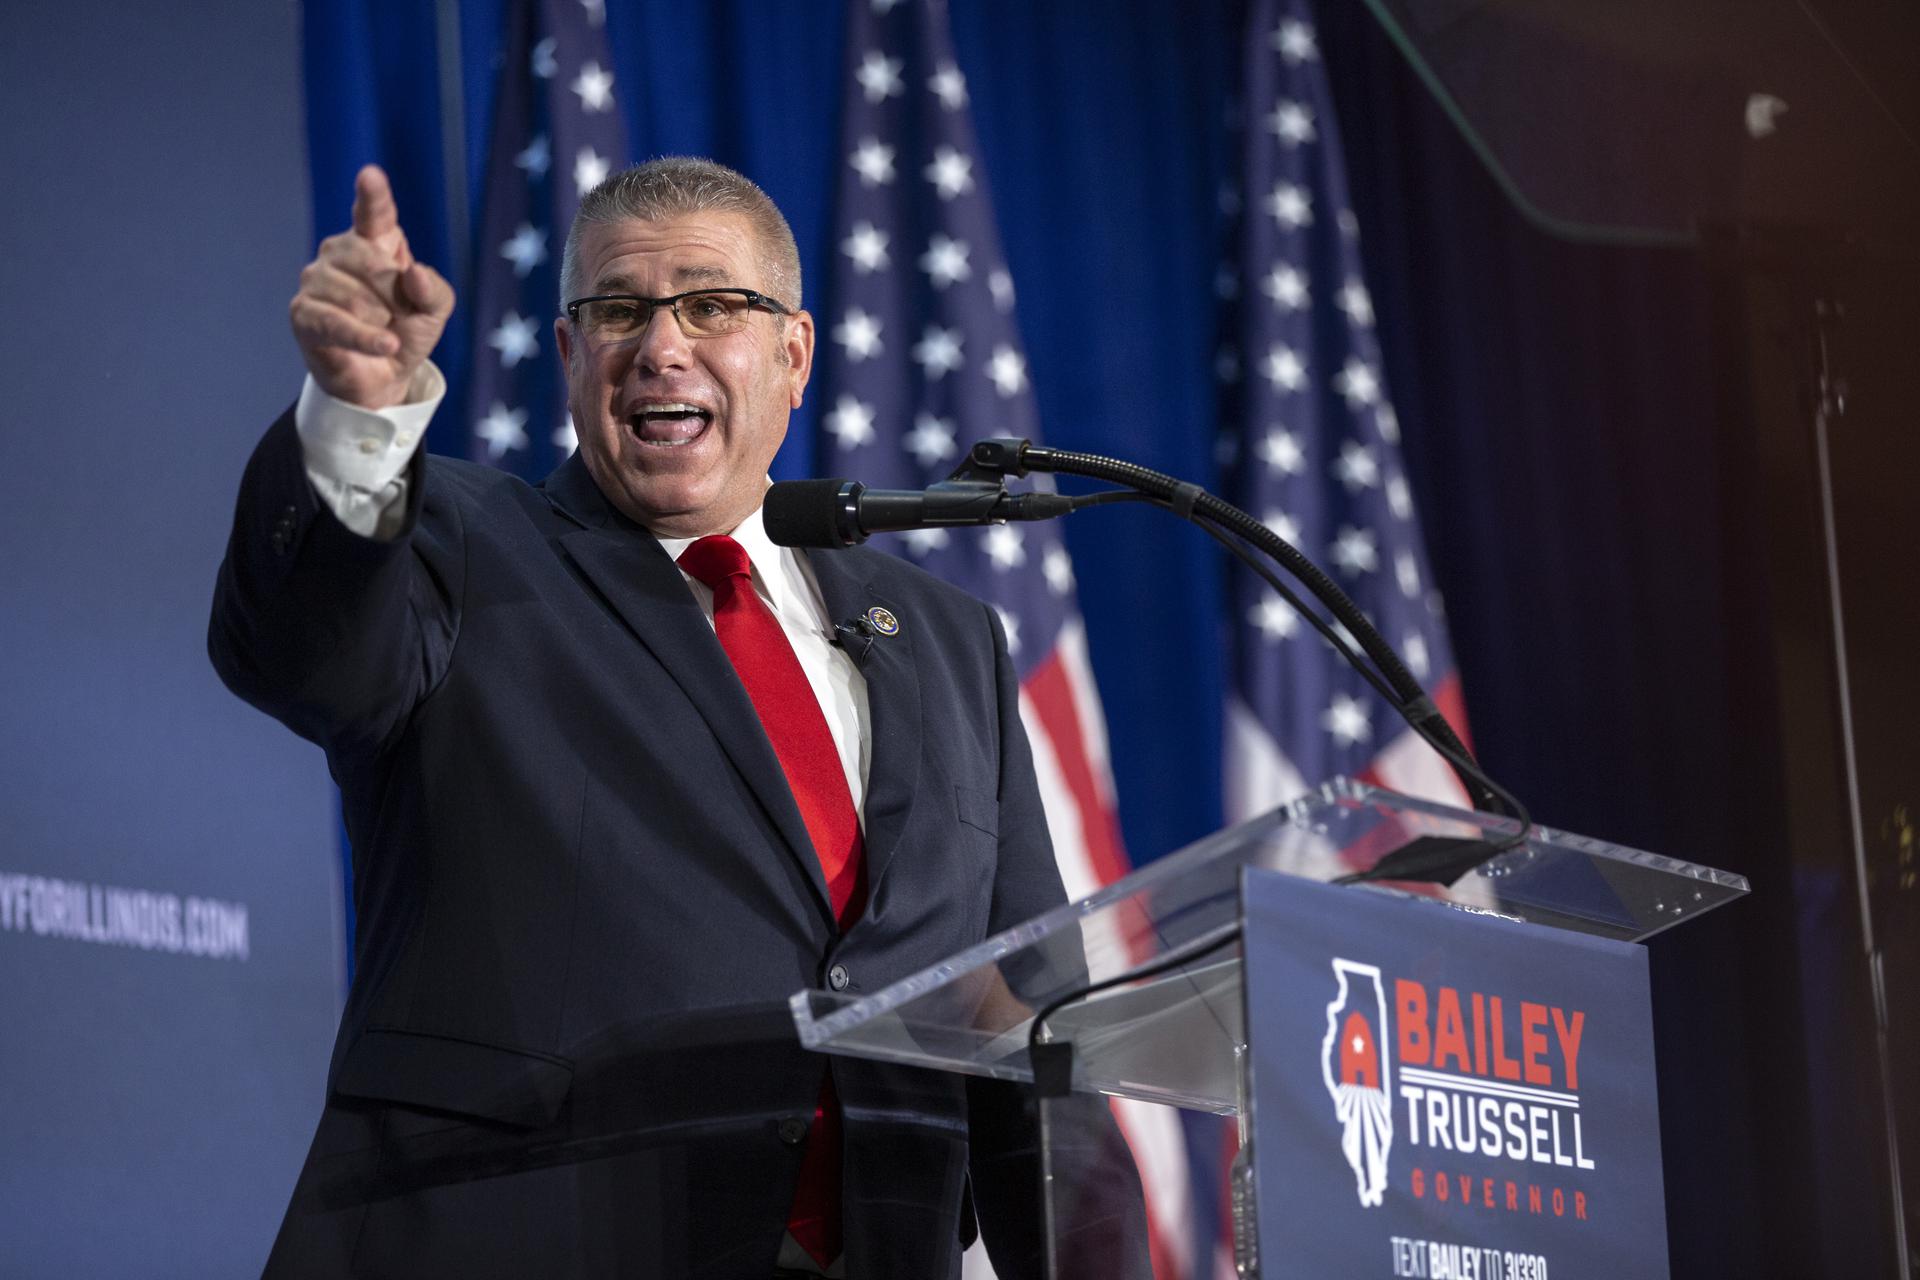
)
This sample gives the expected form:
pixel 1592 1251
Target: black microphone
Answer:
pixel 841 513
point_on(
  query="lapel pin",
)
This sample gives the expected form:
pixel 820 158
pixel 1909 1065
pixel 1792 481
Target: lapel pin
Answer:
pixel 882 621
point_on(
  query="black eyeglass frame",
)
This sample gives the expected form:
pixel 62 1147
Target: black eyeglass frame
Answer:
pixel 755 299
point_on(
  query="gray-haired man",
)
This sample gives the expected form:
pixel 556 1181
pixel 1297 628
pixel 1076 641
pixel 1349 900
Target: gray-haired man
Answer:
pixel 595 844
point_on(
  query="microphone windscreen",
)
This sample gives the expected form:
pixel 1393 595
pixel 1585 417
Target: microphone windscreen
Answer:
pixel 804 513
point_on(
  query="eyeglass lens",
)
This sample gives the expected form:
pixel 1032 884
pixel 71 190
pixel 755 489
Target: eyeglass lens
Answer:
pixel 701 314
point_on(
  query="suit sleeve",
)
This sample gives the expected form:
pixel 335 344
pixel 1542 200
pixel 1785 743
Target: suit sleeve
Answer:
pixel 336 635
pixel 1107 1231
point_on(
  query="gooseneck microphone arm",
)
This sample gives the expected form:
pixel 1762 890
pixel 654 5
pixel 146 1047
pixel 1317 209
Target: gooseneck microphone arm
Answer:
pixel 1005 456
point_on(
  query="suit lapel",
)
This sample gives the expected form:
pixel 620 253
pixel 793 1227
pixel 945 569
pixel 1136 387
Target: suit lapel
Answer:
pixel 633 573
pixel 893 705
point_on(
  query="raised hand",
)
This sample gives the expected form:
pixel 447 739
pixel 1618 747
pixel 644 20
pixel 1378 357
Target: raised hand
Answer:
pixel 367 314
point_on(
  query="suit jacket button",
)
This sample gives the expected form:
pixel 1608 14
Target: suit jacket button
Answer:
pixel 793 1130
pixel 838 978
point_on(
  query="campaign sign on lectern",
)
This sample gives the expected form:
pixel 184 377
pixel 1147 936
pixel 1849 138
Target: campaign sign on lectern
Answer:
pixel 1440 1093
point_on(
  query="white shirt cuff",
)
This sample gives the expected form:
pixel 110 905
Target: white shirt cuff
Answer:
pixel 365 449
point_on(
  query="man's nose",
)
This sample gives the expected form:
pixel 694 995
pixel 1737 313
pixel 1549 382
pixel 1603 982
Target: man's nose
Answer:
pixel 662 344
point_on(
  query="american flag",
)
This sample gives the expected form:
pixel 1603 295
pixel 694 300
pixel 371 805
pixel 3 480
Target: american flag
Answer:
pixel 557 132
pixel 1314 450
pixel 921 358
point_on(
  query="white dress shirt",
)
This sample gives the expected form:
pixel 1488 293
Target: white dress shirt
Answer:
pixel 357 461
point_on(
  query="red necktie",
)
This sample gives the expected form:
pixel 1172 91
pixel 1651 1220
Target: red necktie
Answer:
pixel 791 716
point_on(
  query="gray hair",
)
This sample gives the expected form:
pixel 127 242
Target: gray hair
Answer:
pixel 673 187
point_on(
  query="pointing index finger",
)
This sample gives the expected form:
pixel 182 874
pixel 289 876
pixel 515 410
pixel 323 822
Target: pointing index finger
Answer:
pixel 374 213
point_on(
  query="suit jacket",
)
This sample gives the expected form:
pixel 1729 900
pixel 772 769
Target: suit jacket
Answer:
pixel 584 894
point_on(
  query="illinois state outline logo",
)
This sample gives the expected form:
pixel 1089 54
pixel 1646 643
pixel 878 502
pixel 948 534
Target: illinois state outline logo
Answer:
pixel 1354 1064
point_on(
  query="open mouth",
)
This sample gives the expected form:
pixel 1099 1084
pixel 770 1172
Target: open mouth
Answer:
pixel 668 424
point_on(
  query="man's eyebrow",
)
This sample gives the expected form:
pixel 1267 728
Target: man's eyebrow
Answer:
pixel 697 276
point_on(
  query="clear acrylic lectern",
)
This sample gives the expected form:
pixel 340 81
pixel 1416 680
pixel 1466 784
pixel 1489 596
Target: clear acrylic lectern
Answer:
pixel 1178 1038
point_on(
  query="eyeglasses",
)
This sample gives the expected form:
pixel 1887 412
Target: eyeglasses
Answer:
pixel 702 313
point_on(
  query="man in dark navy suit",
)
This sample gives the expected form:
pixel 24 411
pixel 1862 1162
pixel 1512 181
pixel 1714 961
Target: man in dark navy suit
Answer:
pixel 614 793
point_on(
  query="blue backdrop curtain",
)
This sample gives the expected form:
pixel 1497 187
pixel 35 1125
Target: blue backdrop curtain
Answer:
pixel 1573 433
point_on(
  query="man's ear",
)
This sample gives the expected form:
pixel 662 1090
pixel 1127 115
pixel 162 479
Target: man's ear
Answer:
pixel 796 344
pixel 563 339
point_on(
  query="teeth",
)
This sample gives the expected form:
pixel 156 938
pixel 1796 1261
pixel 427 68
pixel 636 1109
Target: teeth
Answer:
pixel 674 406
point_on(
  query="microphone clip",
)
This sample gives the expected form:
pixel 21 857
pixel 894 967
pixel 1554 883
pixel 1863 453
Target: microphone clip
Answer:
pixel 855 637
pixel 992 461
